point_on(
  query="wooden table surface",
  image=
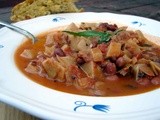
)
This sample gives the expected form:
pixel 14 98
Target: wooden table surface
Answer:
pixel 145 8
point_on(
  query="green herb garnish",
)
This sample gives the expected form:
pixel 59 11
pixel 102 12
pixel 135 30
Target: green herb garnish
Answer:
pixel 104 36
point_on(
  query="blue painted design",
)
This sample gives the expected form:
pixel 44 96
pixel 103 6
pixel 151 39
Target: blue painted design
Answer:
pixel 98 107
pixel 1 46
pixel 103 108
pixel 57 19
pixel 138 23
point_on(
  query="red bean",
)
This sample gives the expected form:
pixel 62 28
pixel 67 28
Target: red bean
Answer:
pixel 103 26
pixel 80 61
pixel 113 59
pixel 103 47
pixel 106 26
pixel 110 68
pixel 58 51
pixel 120 62
pixel 112 27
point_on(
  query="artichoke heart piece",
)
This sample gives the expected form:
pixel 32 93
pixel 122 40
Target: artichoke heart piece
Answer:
pixel 48 65
pixel 125 70
pixel 155 67
pixel 92 70
pixel 74 42
pixel 114 50
pixel 82 45
pixel 142 69
pixel 72 27
pixel 133 47
pixel 146 69
pixel 66 61
pixel 97 54
pixel 54 69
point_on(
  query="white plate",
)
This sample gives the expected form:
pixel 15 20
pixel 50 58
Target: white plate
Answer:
pixel 17 90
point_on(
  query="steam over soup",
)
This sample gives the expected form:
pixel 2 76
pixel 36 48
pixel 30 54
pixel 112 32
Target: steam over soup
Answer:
pixel 94 59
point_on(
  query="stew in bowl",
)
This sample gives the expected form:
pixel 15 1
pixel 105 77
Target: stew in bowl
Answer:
pixel 93 59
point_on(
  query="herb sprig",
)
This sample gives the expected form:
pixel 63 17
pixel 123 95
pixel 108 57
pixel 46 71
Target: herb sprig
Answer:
pixel 104 36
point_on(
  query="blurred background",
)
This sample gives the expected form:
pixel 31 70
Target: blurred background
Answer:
pixel 7 3
pixel 144 8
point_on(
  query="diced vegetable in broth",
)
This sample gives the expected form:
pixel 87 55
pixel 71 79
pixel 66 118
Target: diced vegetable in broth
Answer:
pixel 50 67
pixel 97 54
pixel 114 50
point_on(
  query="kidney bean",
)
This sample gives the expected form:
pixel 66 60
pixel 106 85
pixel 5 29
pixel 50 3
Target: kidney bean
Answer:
pixel 120 62
pixel 112 27
pixel 58 51
pixel 103 47
pixel 103 26
pixel 113 59
pixel 80 61
pixel 110 68
pixel 106 26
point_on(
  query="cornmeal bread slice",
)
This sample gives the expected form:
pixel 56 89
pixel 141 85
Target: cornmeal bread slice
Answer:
pixel 34 8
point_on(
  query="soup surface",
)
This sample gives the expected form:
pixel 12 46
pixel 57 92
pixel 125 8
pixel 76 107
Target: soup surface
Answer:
pixel 94 59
